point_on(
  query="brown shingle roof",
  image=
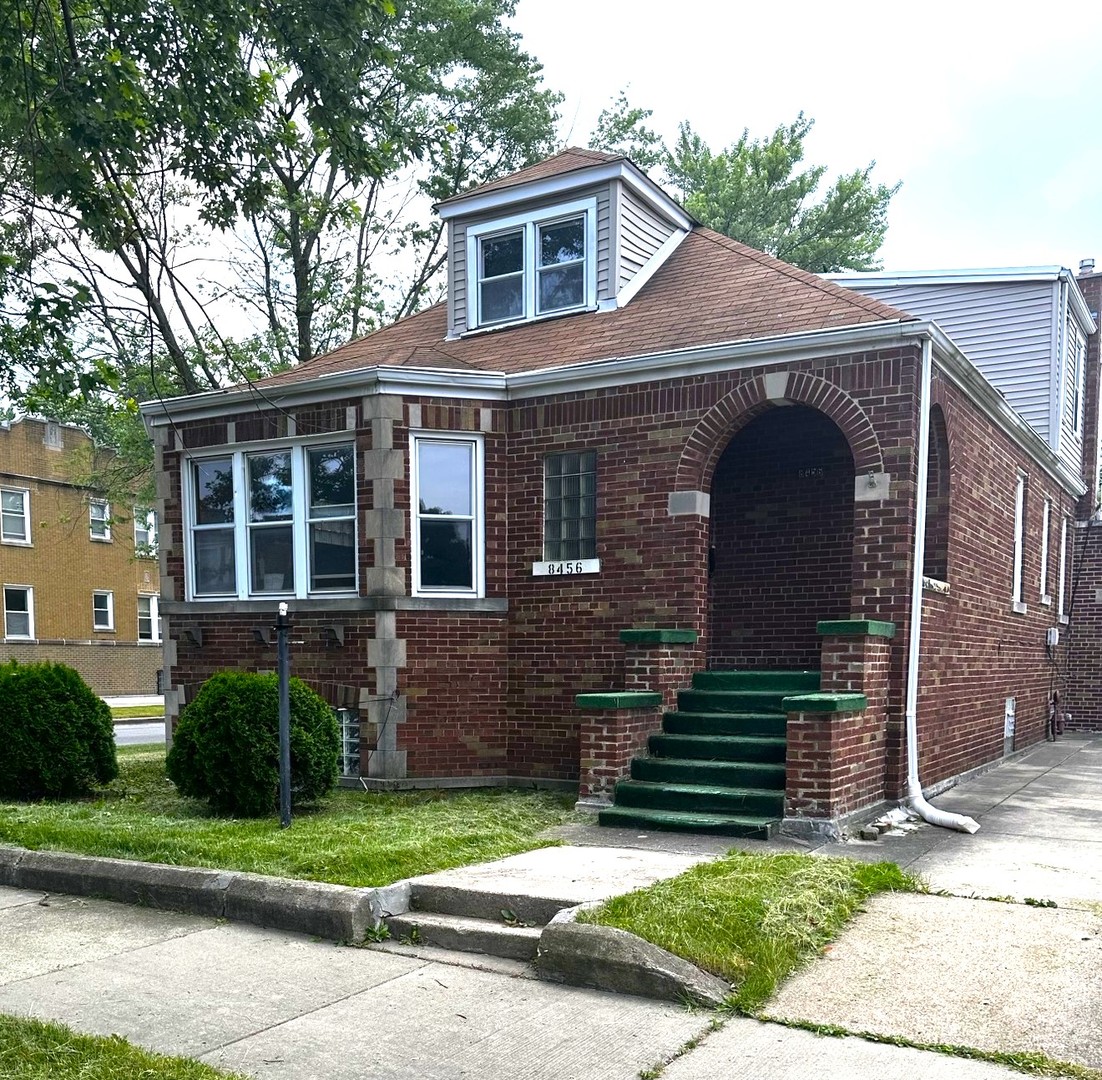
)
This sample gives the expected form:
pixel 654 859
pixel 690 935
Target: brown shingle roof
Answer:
pixel 711 289
pixel 569 160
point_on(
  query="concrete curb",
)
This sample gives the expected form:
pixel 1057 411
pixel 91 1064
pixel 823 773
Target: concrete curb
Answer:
pixel 604 958
pixel 335 912
pixel 578 954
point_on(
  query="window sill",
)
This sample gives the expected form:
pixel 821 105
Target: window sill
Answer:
pixel 16 543
pixel 100 539
pixel 103 630
pixel 581 309
pixel 1017 607
pixel 350 604
pixel 1046 600
pixel 1065 619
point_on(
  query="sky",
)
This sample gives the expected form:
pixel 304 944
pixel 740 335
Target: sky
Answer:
pixel 989 113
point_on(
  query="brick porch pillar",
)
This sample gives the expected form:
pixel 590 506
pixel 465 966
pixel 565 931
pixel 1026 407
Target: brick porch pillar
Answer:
pixel 837 746
pixel 614 729
pixel 660 660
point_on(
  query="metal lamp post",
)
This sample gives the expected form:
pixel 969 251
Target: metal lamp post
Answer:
pixel 283 665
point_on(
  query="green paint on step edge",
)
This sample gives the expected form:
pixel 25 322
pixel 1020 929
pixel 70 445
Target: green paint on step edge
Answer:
pixel 625 699
pixel 856 628
pixel 658 637
pixel 825 703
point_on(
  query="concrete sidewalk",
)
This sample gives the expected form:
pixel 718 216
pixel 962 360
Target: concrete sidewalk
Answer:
pixel 935 969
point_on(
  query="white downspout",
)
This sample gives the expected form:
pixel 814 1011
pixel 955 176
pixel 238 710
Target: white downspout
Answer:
pixel 914 799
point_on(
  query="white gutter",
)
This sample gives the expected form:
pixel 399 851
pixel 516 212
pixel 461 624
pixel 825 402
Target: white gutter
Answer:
pixel 914 799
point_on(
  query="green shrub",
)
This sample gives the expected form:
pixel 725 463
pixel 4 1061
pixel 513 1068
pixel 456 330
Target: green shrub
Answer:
pixel 226 745
pixel 56 737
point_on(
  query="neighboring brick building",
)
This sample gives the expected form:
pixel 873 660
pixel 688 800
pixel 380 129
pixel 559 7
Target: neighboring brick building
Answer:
pixel 627 453
pixel 80 581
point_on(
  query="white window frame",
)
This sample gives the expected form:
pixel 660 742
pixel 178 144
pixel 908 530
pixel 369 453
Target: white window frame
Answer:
pixel 29 636
pixel 103 520
pixel 240 524
pixel 478 523
pixel 26 540
pixel 1046 521
pixel 530 224
pixel 145 521
pixel 154 617
pixel 1019 543
pixel 109 628
pixel 1061 588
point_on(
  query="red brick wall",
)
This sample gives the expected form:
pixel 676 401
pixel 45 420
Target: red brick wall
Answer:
pixel 1082 697
pixel 977 652
pixel 608 740
pixel 782 532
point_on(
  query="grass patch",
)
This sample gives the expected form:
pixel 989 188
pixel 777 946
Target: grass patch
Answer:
pixel 349 838
pixel 137 712
pixel 751 919
pixel 33 1050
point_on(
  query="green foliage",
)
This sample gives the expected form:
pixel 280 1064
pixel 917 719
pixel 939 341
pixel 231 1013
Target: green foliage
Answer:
pixel 34 1050
pixel 350 837
pixel 756 192
pixel 751 918
pixel 58 737
pixel 226 745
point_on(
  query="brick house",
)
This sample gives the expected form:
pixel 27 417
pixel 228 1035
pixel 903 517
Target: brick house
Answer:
pixel 632 486
pixel 80 580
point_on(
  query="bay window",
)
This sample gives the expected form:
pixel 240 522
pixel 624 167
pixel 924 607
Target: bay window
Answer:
pixel 447 515
pixel 273 522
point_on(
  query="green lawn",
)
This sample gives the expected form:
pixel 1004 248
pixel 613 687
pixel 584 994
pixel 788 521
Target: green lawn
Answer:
pixel 350 838
pixel 749 918
pixel 135 712
pixel 32 1050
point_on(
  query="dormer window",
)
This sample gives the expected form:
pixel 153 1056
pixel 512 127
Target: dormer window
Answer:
pixel 526 267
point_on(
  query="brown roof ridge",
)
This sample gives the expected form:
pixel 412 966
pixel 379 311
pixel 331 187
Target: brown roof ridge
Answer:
pixel 859 300
pixel 539 170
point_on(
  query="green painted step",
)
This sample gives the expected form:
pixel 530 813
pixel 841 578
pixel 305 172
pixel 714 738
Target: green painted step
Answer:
pixel 724 773
pixel 700 798
pixel 719 747
pixel 793 682
pixel 754 701
pixel 754 828
pixel 723 723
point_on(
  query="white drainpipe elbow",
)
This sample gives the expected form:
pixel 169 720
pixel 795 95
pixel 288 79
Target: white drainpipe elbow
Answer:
pixel 914 800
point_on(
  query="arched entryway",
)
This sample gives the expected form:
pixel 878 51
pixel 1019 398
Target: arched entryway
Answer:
pixel 782 519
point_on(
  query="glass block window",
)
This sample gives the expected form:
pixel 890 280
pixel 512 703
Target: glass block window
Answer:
pixel 570 506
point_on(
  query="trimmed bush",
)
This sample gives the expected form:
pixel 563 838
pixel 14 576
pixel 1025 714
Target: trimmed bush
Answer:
pixel 57 738
pixel 226 745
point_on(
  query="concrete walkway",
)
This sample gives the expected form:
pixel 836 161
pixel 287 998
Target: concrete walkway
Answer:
pixel 933 969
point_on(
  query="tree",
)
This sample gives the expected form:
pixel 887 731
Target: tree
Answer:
pixel 756 193
pixel 140 136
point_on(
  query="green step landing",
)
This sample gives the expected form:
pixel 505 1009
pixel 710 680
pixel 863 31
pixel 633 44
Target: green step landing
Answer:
pixel 724 723
pixel 791 682
pixel 700 798
pixel 748 827
pixel 719 747
pixel 735 774
pixel 734 701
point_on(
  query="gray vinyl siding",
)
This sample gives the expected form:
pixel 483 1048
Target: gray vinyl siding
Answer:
pixel 457 278
pixel 1007 330
pixel 642 233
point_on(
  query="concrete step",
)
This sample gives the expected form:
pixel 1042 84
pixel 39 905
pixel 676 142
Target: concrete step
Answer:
pixel 791 682
pixel 466 935
pixel 723 773
pixel 724 723
pixel 700 798
pixel 719 747
pixel 427 896
pixel 754 828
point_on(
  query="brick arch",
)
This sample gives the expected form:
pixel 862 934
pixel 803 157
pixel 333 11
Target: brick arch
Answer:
pixel 749 399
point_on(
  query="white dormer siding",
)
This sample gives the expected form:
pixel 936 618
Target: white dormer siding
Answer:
pixel 1013 324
